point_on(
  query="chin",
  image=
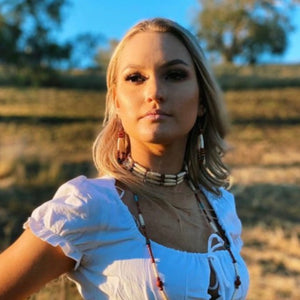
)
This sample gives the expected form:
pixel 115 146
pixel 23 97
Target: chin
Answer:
pixel 160 136
pixel 162 139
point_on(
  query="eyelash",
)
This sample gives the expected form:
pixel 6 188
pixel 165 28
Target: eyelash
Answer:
pixel 176 75
pixel 173 75
pixel 135 77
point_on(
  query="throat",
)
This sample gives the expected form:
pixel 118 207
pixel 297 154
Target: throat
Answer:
pixel 160 158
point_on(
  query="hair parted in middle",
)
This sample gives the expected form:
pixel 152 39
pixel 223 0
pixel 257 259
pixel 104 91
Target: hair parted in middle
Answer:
pixel 213 124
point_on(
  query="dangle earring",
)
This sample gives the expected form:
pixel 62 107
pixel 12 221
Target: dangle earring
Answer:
pixel 121 145
pixel 200 148
pixel 201 124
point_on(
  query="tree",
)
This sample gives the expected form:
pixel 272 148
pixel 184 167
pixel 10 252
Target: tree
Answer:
pixel 9 36
pixel 84 50
pixel 26 37
pixel 103 56
pixel 244 29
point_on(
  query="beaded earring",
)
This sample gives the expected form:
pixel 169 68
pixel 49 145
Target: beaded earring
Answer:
pixel 201 124
pixel 200 148
pixel 121 145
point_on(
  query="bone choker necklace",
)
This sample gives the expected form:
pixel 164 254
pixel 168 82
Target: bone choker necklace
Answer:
pixel 153 177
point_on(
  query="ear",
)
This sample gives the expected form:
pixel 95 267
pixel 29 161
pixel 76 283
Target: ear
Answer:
pixel 115 99
pixel 201 110
pixel 117 104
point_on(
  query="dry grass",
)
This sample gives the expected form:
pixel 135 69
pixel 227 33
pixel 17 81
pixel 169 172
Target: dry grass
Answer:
pixel 265 105
pixel 264 154
pixel 260 76
pixel 50 102
pixel 264 160
pixel 273 260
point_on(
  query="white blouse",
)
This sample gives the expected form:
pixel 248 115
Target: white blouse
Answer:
pixel 93 226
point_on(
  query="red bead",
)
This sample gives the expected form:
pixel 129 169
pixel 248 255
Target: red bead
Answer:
pixel 159 283
pixel 121 134
pixel 237 282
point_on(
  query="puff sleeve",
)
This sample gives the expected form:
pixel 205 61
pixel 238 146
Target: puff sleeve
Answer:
pixel 63 220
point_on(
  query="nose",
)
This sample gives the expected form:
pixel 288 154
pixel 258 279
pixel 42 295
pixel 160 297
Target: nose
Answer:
pixel 154 90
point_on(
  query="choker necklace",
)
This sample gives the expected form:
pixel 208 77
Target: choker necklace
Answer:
pixel 216 229
pixel 153 177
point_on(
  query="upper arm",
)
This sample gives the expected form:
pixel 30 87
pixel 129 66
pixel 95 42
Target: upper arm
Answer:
pixel 28 264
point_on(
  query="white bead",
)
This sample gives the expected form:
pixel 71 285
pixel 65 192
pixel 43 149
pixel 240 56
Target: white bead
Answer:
pixel 141 220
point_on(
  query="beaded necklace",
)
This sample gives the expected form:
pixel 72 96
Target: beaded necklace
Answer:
pixel 142 224
pixel 153 177
pixel 172 180
pixel 215 228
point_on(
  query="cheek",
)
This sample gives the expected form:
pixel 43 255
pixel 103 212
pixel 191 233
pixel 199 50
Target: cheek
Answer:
pixel 123 104
pixel 127 99
pixel 127 113
pixel 190 100
pixel 127 119
pixel 190 107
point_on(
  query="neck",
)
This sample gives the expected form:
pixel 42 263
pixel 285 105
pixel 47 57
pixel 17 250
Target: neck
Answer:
pixel 159 158
pixel 148 176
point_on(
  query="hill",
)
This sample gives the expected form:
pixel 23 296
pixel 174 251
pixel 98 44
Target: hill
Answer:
pixel 46 138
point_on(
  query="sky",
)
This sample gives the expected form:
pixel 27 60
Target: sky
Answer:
pixel 111 19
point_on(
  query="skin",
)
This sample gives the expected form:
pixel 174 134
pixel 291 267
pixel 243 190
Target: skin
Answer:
pixel 29 264
pixel 157 99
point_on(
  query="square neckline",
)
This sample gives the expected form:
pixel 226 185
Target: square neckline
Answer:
pixel 141 237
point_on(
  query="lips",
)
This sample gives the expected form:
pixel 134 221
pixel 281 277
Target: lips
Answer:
pixel 155 113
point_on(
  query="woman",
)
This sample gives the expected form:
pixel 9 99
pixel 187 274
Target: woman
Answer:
pixel 157 223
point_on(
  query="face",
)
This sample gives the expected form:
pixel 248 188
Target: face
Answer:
pixel 157 93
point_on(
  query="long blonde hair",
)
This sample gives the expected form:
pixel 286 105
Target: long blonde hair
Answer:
pixel 214 173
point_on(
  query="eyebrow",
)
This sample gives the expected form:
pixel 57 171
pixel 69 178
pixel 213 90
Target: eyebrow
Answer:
pixel 174 62
pixel 164 65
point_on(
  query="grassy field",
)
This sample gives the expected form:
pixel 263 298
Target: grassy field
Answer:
pixel 46 137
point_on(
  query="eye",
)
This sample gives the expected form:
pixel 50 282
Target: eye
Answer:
pixel 176 75
pixel 135 78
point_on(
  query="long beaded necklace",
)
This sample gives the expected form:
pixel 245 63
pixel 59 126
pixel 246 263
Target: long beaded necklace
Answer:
pixel 172 180
pixel 159 282
pixel 141 220
pixel 216 228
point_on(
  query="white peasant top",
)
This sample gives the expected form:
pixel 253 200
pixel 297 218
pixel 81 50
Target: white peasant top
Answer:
pixel 93 226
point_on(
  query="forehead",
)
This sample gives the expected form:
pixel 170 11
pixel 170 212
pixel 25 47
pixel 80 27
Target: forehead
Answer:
pixel 147 48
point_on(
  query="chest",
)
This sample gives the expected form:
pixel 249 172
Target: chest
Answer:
pixel 116 262
pixel 179 223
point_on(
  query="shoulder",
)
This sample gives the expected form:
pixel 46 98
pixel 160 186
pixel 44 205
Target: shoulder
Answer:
pixel 86 188
pixel 69 219
pixel 224 205
pixel 225 209
pixel 223 199
pixel 78 200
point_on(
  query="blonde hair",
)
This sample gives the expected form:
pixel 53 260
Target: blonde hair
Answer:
pixel 214 173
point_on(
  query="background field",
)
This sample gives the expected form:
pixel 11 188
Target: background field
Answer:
pixel 46 138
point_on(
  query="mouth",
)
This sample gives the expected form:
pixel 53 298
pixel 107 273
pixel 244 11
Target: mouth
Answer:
pixel 155 114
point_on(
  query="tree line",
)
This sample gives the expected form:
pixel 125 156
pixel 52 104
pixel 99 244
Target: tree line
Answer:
pixel 229 30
